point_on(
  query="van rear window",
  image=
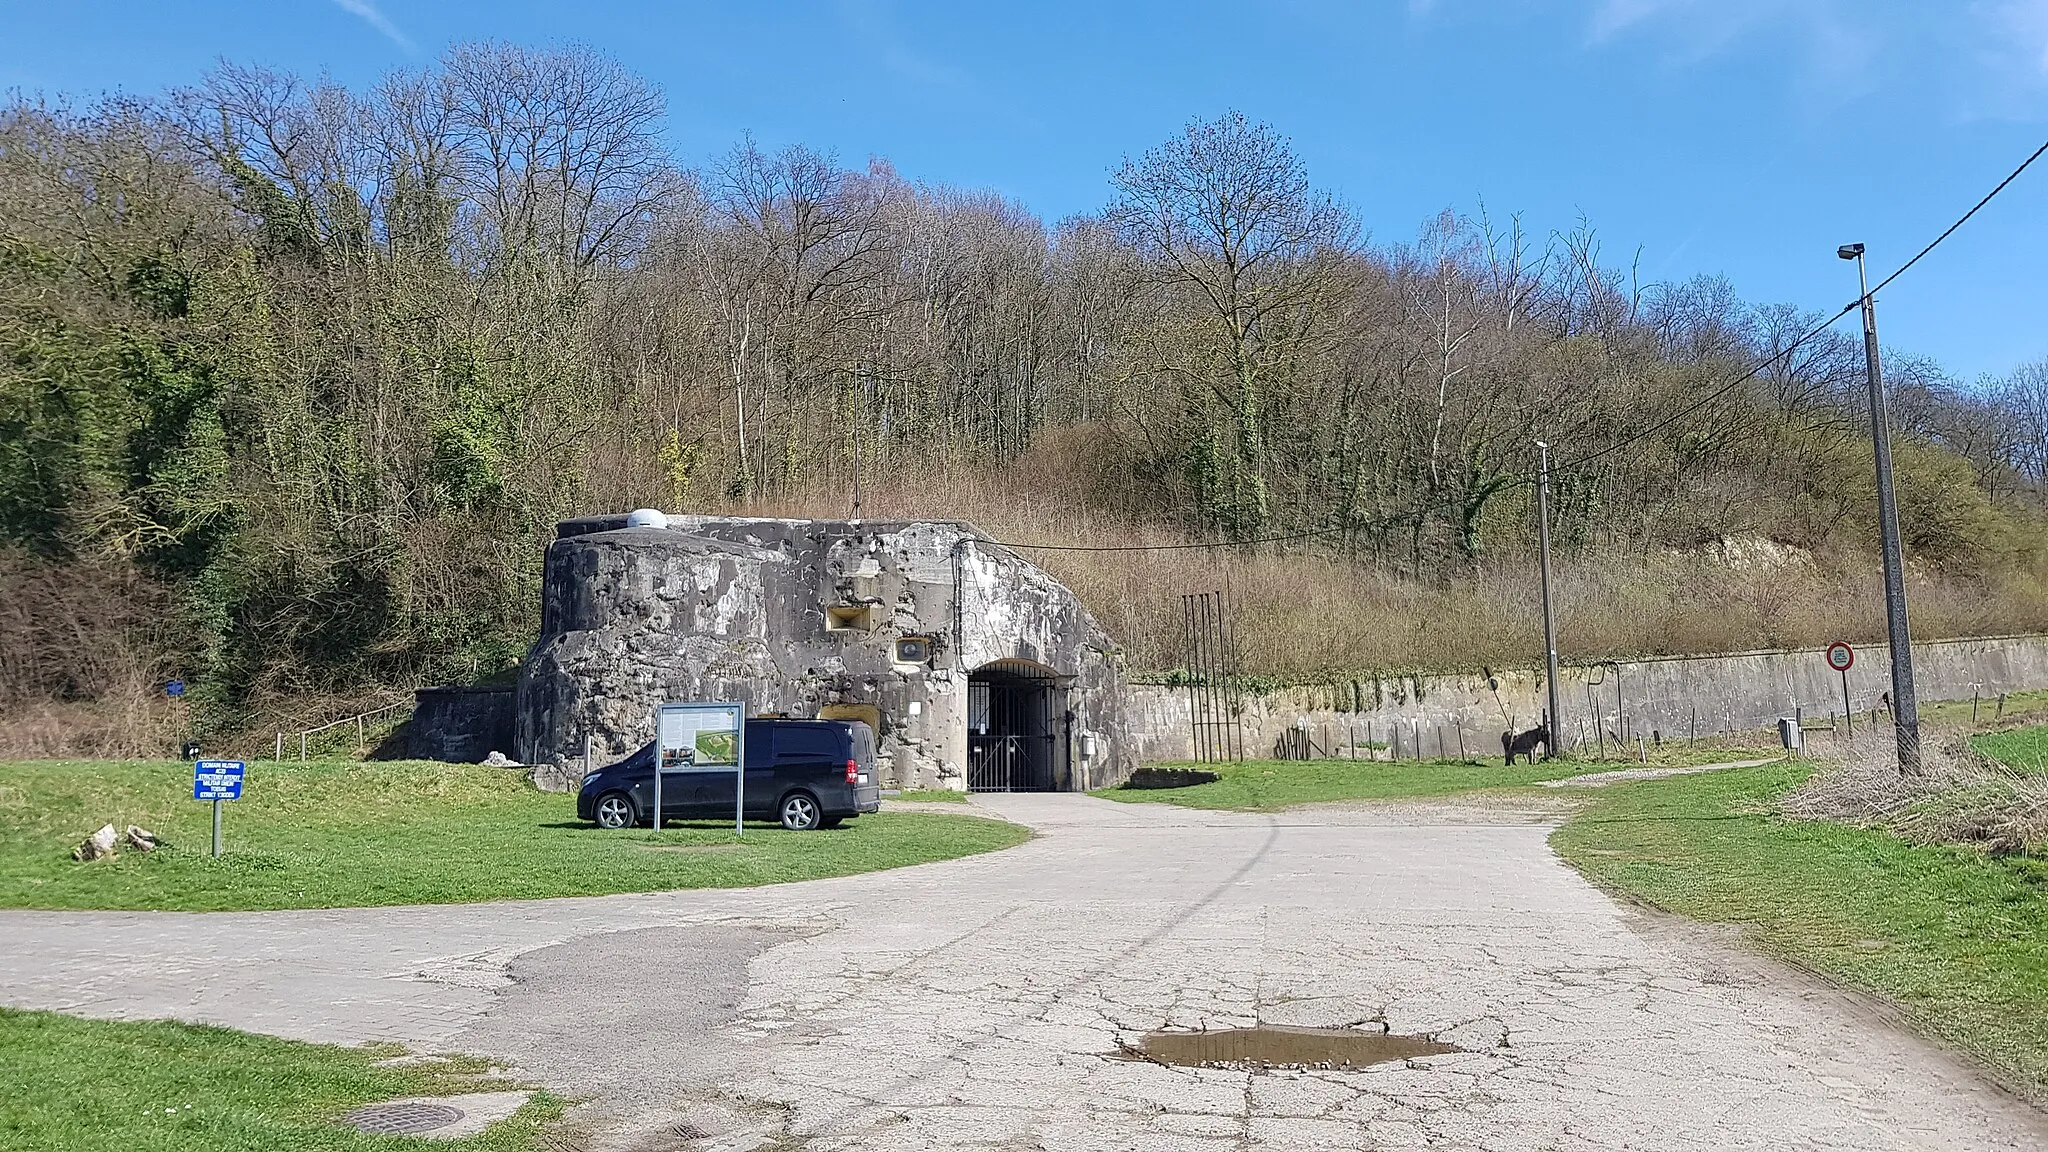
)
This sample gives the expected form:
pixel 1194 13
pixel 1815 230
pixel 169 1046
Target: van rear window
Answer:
pixel 802 741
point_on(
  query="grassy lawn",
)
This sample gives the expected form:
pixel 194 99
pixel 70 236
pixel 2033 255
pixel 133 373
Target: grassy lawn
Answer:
pixel 930 796
pixel 2025 749
pixel 2032 705
pixel 1268 785
pixel 322 835
pixel 1959 940
pixel 162 1087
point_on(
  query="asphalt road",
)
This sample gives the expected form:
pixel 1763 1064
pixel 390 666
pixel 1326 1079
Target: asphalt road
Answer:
pixel 983 1002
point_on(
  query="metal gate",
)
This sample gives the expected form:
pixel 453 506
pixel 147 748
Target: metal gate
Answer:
pixel 1214 674
pixel 1012 742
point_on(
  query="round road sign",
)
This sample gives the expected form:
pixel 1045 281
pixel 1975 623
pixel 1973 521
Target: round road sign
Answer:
pixel 1841 657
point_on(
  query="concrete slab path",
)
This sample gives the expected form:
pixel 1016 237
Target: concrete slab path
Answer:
pixel 982 1002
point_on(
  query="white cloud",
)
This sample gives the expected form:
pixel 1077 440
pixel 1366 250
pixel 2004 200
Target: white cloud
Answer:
pixel 1834 39
pixel 2022 25
pixel 377 20
pixel 2008 57
pixel 872 24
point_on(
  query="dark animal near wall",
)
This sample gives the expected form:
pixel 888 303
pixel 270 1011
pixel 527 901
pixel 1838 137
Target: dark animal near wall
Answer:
pixel 1525 745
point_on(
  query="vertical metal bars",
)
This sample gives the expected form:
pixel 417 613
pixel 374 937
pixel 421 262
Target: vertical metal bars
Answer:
pixel 1214 671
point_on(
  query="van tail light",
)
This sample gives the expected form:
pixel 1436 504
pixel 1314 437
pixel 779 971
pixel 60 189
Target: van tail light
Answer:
pixel 852 771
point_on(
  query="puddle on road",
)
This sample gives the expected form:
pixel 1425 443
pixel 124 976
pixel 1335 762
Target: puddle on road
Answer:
pixel 1280 1046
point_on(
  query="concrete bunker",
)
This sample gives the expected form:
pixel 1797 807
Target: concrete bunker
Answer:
pixel 976 668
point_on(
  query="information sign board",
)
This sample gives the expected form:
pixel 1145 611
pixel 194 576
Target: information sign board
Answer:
pixel 702 737
pixel 699 737
pixel 218 779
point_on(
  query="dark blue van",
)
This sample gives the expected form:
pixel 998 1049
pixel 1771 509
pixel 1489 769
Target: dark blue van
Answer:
pixel 806 774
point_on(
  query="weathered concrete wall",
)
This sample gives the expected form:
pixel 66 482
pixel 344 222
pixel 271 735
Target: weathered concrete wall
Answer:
pixel 1010 609
pixel 461 725
pixel 1737 692
pixel 718 608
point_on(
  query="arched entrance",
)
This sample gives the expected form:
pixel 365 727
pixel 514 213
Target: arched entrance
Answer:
pixel 1016 728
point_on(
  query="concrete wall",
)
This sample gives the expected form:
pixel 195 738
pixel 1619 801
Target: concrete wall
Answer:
pixel 739 608
pixel 460 725
pixel 1737 692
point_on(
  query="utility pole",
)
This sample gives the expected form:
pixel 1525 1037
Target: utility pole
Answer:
pixel 1551 722
pixel 1905 707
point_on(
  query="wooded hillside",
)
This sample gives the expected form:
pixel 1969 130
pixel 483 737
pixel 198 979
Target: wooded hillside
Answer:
pixel 295 381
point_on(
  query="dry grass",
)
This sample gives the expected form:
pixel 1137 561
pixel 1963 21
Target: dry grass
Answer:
pixel 1960 796
pixel 1304 614
pixel 84 648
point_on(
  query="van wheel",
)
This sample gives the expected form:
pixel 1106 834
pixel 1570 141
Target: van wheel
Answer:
pixel 800 812
pixel 615 810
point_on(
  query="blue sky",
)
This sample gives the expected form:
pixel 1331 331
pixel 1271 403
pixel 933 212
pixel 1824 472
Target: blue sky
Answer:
pixel 1745 138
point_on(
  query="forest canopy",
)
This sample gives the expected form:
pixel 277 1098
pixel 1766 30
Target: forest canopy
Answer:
pixel 295 381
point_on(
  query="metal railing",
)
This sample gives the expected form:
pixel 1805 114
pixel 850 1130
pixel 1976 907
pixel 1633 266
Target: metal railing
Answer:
pixel 359 720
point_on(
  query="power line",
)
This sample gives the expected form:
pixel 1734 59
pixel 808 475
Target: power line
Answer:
pixel 1965 218
pixel 1817 329
pixel 1579 461
pixel 1709 398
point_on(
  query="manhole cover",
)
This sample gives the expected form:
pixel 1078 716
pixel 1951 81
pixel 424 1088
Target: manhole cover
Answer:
pixel 403 1118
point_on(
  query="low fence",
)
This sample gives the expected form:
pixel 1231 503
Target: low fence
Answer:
pixel 361 721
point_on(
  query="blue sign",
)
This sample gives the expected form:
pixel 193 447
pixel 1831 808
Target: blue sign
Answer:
pixel 217 779
pixel 175 688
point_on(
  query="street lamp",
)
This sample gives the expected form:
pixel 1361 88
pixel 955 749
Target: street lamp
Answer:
pixel 1552 722
pixel 1905 708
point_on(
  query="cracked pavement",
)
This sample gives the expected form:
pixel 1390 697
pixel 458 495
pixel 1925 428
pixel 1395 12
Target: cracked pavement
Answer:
pixel 983 1002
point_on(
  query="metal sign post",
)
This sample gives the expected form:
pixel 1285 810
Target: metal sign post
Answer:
pixel 702 737
pixel 217 780
pixel 1841 658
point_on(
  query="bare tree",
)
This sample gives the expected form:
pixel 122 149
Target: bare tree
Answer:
pixel 561 148
pixel 1225 211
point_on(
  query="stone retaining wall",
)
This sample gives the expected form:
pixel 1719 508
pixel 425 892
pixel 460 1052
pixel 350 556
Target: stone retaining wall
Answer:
pixel 1672 696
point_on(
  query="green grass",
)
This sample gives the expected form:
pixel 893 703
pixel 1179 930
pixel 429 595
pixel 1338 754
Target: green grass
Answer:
pixel 325 835
pixel 162 1087
pixel 1958 940
pixel 2024 749
pixel 2031 705
pixel 1269 785
pixel 931 796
